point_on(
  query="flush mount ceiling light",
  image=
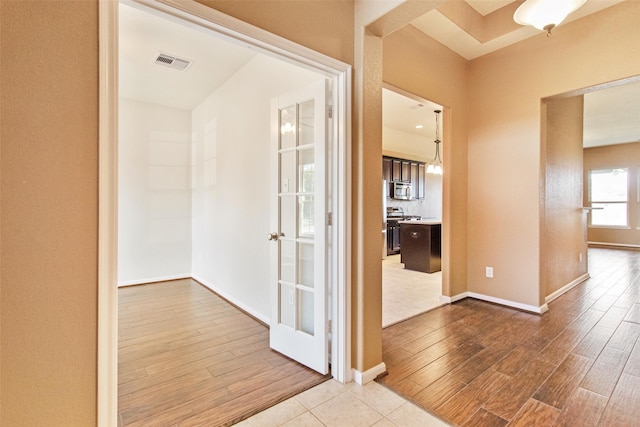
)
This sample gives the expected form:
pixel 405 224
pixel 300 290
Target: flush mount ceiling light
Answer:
pixel 545 14
pixel 435 167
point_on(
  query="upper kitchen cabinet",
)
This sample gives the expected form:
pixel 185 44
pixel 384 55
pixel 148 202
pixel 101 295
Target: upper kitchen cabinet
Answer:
pixel 407 171
pixel 387 174
pixel 396 170
pixel 405 175
pixel 422 181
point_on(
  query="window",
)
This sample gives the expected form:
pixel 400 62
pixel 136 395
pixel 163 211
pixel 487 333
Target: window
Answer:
pixel 608 193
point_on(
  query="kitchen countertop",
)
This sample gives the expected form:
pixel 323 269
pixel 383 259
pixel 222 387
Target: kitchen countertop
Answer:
pixel 421 221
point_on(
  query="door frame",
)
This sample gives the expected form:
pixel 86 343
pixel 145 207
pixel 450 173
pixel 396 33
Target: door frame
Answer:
pixel 236 31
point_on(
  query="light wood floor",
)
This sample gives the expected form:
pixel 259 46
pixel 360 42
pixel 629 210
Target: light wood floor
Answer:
pixel 189 358
pixel 478 364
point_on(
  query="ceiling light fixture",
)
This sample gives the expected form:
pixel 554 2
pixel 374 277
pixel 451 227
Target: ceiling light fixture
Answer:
pixel 545 14
pixel 435 167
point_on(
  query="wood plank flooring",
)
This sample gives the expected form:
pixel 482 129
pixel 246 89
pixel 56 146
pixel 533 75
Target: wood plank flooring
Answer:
pixel 187 357
pixel 478 364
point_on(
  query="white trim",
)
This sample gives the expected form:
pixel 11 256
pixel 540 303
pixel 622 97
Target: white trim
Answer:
pixel 616 245
pixel 445 300
pixel 246 34
pixel 153 280
pixel 232 300
pixel 107 387
pixel 526 307
pixel 240 32
pixel 369 375
pixel 340 231
pixel 566 288
pixel 458 297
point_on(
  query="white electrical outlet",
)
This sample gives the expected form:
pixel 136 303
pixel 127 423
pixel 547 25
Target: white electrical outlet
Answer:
pixel 489 271
pixel 580 257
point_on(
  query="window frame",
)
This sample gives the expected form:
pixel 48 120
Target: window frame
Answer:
pixel 627 202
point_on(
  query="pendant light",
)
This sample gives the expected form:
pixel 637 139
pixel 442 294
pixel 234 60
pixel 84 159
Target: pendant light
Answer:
pixel 435 167
pixel 545 14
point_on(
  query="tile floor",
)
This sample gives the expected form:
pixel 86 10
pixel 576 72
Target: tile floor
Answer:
pixel 407 293
pixel 334 404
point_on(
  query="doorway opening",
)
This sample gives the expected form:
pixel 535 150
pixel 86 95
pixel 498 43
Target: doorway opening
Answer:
pixel 408 135
pixel 582 140
pixel 185 169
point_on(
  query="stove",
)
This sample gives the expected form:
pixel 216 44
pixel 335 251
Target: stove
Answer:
pixel 397 214
pixel 394 215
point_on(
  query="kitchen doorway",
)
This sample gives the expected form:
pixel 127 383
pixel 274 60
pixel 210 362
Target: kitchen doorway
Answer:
pixel 410 193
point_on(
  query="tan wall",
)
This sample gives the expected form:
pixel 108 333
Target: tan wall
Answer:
pixel 324 26
pixel 564 247
pixel 614 156
pixel 366 303
pixel 419 65
pixel 505 92
pixel 49 109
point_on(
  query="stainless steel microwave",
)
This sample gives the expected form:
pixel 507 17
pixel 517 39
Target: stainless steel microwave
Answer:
pixel 401 190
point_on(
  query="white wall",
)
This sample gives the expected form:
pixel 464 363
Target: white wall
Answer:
pixel 231 182
pixel 414 147
pixel 154 193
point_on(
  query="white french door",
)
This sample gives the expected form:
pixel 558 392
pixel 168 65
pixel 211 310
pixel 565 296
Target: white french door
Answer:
pixel 299 314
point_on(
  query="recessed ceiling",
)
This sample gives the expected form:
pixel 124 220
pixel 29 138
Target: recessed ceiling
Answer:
pixel 477 27
pixel 612 115
pixel 485 7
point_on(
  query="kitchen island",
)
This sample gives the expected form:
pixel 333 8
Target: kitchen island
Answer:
pixel 420 245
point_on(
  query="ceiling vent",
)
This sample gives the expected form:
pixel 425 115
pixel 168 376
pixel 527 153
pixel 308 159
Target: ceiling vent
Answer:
pixel 172 62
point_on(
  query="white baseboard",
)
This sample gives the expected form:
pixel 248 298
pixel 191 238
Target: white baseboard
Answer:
pixel 526 307
pixel 459 297
pixel 153 280
pixel 566 288
pixel 369 375
pixel 445 300
pixel 243 307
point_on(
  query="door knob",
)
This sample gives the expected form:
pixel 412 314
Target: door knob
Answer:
pixel 273 236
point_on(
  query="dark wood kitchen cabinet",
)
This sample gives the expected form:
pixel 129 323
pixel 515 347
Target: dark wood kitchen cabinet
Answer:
pixel 420 245
pixel 396 169
pixel 405 174
pixel 422 181
pixel 417 180
pixel 386 174
pixel 402 170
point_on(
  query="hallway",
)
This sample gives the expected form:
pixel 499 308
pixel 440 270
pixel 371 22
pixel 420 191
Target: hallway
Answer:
pixel 474 363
